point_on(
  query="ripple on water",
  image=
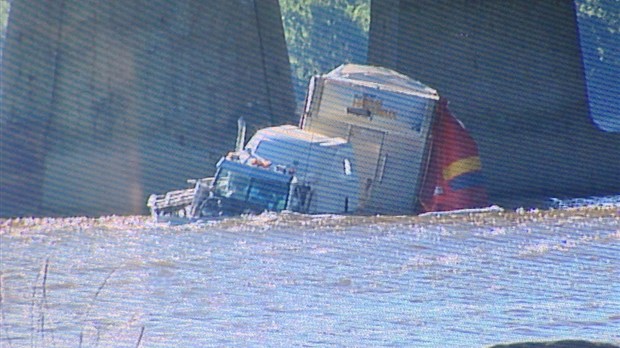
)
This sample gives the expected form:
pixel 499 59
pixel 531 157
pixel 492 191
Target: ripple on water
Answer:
pixel 289 279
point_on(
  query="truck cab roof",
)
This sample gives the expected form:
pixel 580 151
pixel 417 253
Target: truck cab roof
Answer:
pixel 293 136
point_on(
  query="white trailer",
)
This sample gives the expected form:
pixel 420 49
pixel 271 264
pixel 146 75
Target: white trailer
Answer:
pixel 386 116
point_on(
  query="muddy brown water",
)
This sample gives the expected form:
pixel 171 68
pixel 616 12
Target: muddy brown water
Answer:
pixel 468 280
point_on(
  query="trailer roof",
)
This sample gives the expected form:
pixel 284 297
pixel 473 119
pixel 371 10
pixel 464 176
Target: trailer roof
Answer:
pixel 381 78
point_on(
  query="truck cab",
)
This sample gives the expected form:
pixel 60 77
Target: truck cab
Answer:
pixel 284 168
pixel 240 188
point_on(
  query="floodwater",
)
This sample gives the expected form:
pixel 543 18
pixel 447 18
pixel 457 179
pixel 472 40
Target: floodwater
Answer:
pixel 468 280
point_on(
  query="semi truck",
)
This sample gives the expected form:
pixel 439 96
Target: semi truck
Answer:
pixel 364 145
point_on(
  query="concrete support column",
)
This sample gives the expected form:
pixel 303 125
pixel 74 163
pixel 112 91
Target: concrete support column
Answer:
pixel 513 72
pixel 28 86
pixel 105 102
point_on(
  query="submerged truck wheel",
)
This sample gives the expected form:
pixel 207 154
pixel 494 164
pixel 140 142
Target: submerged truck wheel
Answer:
pixel 211 207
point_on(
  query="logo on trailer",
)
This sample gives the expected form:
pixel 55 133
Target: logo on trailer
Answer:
pixel 368 106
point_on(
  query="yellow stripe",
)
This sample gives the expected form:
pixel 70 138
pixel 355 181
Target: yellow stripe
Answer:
pixel 462 166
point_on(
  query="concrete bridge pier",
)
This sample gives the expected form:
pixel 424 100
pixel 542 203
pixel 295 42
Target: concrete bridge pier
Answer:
pixel 104 102
pixel 513 73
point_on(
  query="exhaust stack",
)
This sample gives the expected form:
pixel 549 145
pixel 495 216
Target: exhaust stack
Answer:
pixel 240 134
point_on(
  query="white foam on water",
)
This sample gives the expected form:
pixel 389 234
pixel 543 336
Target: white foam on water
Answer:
pixel 490 209
pixel 604 201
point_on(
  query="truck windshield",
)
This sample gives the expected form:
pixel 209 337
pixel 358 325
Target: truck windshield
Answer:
pixel 258 193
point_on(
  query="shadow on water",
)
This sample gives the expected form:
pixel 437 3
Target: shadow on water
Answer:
pixel 557 344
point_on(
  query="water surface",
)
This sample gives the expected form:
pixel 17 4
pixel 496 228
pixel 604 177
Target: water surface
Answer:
pixel 468 280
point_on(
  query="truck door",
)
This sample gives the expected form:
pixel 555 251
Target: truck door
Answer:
pixel 367 144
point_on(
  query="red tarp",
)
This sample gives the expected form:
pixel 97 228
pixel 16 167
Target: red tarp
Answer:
pixel 454 178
